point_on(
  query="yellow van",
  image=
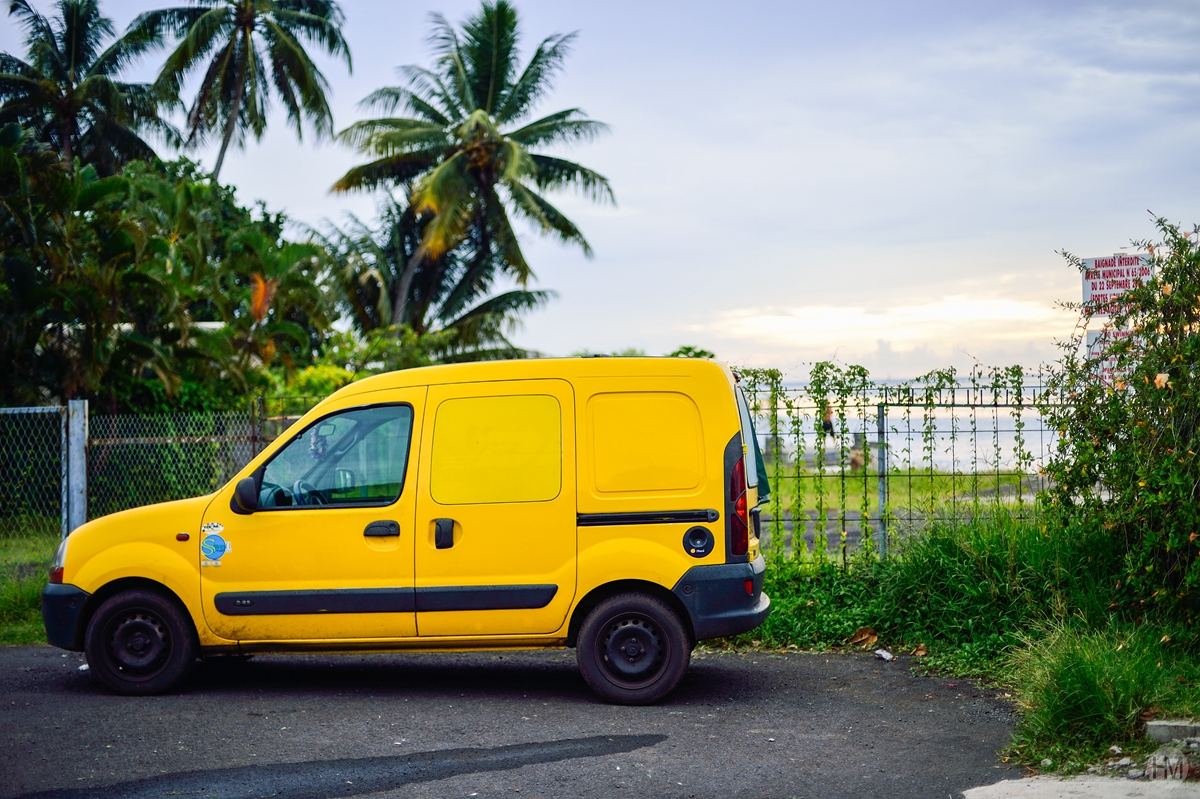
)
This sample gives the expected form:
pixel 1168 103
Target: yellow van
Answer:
pixel 605 504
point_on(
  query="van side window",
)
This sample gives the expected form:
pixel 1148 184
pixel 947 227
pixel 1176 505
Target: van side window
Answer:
pixel 645 441
pixel 497 449
pixel 355 457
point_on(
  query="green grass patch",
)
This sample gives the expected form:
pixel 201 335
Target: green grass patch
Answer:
pixel 25 554
pixel 915 488
pixel 21 610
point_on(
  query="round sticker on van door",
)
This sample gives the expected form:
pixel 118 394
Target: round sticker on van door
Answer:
pixel 213 547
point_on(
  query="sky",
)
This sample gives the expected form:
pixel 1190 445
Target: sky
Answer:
pixel 880 183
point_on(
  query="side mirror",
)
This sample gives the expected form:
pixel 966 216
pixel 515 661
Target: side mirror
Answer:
pixel 245 496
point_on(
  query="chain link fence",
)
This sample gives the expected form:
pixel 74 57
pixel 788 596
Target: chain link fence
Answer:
pixel 141 460
pixel 33 443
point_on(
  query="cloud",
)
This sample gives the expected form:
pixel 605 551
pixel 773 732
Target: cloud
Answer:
pixel 950 330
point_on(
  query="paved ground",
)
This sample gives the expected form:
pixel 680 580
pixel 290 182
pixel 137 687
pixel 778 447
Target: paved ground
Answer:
pixel 491 725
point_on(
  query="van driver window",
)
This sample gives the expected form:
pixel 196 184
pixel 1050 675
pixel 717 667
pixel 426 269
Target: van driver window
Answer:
pixel 356 457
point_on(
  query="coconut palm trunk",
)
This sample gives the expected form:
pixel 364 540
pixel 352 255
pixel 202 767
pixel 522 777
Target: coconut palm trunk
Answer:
pixel 231 124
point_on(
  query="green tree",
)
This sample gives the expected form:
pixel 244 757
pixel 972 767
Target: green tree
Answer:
pixel 248 50
pixel 67 89
pixel 383 284
pixel 466 156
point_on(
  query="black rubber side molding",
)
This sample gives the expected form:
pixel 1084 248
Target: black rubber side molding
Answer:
pixel 385 600
pixel 334 600
pixel 485 597
pixel 646 517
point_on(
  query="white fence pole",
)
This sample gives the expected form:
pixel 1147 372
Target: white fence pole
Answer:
pixel 77 437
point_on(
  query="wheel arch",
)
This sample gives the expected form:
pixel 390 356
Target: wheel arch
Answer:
pixel 603 592
pixel 109 590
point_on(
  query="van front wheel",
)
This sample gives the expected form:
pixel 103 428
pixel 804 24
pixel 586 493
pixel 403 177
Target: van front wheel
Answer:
pixel 140 643
pixel 633 649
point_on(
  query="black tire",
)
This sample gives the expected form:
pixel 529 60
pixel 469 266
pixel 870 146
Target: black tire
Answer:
pixel 140 643
pixel 633 649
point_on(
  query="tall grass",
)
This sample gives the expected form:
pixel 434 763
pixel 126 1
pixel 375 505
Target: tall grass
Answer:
pixel 968 587
pixel 21 610
pixel 1086 689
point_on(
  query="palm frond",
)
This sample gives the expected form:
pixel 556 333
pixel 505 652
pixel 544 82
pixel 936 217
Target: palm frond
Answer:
pixel 563 127
pixel 392 134
pixel 558 173
pixel 545 216
pixel 390 170
pixel 537 78
pixel 297 79
pixel 389 98
pixel 488 50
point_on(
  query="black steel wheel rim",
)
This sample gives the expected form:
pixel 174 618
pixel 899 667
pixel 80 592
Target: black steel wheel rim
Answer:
pixel 137 644
pixel 632 650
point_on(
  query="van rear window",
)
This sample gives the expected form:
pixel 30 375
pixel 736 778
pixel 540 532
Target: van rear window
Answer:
pixel 645 441
pixel 748 438
pixel 497 449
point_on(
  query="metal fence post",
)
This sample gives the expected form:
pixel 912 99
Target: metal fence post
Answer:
pixel 64 480
pixel 76 457
pixel 882 460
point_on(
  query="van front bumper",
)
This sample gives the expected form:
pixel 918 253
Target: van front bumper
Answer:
pixel 61 606
pixel 717 600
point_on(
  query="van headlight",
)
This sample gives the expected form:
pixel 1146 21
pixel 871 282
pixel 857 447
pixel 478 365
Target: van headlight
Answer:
pixel 60 560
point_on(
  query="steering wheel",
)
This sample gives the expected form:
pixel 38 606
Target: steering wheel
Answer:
pixel 306 493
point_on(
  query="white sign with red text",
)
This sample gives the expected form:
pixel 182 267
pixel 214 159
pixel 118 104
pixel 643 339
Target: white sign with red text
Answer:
pixel 1106 279
pixel 1098 344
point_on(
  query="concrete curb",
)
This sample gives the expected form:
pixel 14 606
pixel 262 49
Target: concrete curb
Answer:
pixel 1167 730
pixel 1044 787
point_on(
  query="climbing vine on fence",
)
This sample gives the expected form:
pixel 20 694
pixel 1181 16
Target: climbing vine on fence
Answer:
pixel 820 484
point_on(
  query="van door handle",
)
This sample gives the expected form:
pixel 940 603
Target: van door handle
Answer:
pixel 381 529
pixel 443 533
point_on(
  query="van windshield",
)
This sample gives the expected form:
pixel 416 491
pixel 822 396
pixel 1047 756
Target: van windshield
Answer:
pixel 748 438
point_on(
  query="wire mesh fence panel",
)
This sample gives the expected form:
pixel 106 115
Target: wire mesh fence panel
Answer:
pixel 276 415
pixel 855 465
pixel 32 443
pixel 140 460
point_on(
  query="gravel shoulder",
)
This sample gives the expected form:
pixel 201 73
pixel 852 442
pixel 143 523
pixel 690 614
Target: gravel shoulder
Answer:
pixel 486 725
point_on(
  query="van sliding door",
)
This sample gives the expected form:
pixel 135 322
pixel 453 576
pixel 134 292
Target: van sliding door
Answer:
pixel 495 549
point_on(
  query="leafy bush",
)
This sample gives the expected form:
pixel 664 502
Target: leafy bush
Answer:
pixel 967 589
pixel 1126 460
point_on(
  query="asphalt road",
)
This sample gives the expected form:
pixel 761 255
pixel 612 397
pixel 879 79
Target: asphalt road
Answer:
pixel 489 725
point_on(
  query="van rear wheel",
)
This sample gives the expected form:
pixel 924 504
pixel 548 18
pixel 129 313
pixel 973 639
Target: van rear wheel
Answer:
pixel 140 643
pixel 633 649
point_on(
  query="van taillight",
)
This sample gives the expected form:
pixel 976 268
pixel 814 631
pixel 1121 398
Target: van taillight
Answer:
pixel 56 575
pixel 739 540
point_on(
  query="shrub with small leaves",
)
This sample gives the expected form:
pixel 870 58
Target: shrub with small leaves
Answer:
pixel 1126 458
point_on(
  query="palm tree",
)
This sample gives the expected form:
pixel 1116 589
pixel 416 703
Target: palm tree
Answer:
pixel 448 299
pixel 465 154
pixel 246 47
pixel 66 89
